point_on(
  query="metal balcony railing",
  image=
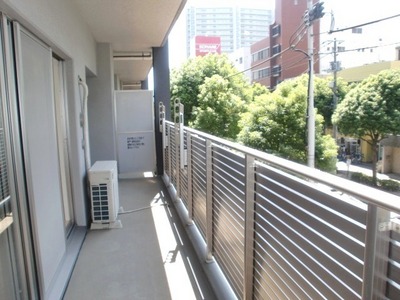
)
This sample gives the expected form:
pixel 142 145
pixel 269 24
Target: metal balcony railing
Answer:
pixel 281 230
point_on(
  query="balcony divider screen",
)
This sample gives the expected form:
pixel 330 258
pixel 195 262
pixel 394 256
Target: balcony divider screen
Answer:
pixel 280 230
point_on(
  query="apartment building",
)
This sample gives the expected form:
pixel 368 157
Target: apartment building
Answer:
pixel 237 25
pixel 283 54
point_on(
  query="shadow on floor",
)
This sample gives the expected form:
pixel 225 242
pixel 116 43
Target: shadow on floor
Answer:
pixel 149 258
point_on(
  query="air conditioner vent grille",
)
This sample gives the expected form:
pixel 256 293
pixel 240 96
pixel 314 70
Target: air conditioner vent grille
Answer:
pixel 103 178
pixel 101 209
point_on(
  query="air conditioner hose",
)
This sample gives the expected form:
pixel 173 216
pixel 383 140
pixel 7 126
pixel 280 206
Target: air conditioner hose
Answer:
pixel 85 124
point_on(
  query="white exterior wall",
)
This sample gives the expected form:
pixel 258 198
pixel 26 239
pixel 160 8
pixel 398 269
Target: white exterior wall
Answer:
pixel 396 161
pixel 58 24
pixel 100 107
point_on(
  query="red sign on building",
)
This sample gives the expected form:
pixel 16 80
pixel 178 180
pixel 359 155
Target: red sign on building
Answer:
pixel 207 44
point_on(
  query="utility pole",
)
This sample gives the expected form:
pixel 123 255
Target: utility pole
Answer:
pixel 311 115
pixel 334 89
pixel 314 12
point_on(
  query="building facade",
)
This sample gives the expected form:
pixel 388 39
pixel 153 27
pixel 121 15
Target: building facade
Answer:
pixel 238 26
pixel 283 54
pixel 241 59
pixel 52 53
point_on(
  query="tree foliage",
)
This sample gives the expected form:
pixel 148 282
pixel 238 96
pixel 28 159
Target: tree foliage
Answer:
pixel 323 96
pixel 371 110
pixel 186 82
pixel 218 108
pixel 276 123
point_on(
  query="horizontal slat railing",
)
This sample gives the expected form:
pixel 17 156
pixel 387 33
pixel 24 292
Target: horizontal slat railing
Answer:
pixel 393 274
pixel 280 230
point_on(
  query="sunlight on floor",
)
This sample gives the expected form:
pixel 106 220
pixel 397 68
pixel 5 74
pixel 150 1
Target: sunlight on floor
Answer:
pixel 180 285
pixel 148 174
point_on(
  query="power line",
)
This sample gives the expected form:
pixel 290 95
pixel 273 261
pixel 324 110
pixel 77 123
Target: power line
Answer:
pixel 296 34
pixel 363 48
pixel 260 63
pixel 364 24
pixel 299 28
pixel 289 66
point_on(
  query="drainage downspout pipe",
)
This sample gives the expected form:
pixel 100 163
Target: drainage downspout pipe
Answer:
pixel 84 122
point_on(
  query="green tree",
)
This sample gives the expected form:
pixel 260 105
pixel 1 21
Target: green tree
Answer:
pixel 323 96
pixel 259 90
pixel 218 108
pixel 276 123
pixel 371 110
pixel 187 81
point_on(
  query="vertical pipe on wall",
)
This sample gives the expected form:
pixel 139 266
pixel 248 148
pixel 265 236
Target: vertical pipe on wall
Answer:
pixel 85 123
pixel 161 94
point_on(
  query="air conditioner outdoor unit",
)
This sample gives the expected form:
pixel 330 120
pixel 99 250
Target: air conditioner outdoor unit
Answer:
pixel 103 179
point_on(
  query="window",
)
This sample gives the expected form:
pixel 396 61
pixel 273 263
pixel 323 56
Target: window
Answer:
pixel 276 70
pixel 260 74
pixel 357 30
pixel 276 49
pixel 260 55
pixel 264 72
pixel 276 30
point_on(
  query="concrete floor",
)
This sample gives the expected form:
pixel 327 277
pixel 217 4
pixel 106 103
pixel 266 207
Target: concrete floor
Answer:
pixel 150 257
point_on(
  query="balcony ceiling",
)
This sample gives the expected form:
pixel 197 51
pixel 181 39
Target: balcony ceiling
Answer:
pixel 132 27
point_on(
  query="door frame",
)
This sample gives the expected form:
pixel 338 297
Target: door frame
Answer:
pixel 22 233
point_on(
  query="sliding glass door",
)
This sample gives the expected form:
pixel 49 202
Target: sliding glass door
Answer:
pixel 14 273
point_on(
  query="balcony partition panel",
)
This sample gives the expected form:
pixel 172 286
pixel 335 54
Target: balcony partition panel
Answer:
pixel 280 230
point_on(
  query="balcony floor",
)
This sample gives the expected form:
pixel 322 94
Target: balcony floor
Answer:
pixel 150 257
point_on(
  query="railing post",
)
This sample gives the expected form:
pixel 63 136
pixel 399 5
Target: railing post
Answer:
pixel 168 140
pixel 161 108
pixel 189 178
pixel 376 253
pixel 249 227
pixel 178 118
pixel 209 202
pixel 181 138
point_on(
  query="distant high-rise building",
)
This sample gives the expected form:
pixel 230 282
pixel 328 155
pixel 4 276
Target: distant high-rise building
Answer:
pixel 283 54
pixel 237 25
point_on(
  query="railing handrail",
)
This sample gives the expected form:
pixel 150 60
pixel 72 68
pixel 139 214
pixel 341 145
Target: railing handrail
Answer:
pixel 362 192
